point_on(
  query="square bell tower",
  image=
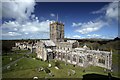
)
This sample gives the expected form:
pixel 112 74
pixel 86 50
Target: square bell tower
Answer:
pixel 57 31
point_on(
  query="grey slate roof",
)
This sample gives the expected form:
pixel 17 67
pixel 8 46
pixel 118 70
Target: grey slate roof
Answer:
pixel 49 43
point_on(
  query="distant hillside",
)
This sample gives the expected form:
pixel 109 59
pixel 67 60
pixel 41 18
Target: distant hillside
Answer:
pixel 102 44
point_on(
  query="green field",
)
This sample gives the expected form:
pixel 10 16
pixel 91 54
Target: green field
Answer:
pixel 14 55
pixel 27 68
pixel 116 63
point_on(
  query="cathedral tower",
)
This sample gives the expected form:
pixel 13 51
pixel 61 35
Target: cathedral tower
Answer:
pixel 57 31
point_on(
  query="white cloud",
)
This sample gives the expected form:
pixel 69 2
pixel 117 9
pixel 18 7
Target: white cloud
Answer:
pixel 26 33
pixel 110 11
pixel 67 36
pixel 36 27
pixel 25 24
pixel 28 27
pixel 76 24
pixel 18 9
pixel 90 27
pixel 11 34
pixel 0 10
pixel 10 26
pixel 94 35
pixel 76 36
pixel 53 15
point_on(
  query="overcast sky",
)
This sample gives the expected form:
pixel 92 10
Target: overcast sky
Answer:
pixel 30 19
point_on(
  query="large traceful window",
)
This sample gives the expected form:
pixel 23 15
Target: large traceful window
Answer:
pixel 101 61
pixel 89 57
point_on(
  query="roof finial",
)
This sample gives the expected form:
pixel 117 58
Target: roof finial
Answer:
pixel 57 17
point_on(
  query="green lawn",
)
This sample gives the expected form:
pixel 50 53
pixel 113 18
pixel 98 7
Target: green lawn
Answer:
pixel 14 55
pixel 6 58
pixel 33 55
pixel 26 68
pixel 116 63
pixel 79 71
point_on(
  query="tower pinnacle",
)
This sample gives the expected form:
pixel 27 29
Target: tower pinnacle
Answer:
pixel 57 18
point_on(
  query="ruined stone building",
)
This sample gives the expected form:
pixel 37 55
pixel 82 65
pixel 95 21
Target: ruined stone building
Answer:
pixel 25 46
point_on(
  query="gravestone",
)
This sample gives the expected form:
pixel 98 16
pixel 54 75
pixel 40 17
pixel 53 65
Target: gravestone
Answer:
pixel 10 59
pixel 69 74
pixel 56 67
pixel 73 72
pixel 35 77
pixel 49 65
pixel 8 67
pixel 16 64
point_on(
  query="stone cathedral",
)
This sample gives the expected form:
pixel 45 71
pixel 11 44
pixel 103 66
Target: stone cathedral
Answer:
pixel 68 51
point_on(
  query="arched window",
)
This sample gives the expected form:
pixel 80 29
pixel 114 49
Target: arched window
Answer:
pixel 74 58
pixel 68 57
pixel 59 55
pixel 80 60
pixel 68 49
pixel 63 55
pixel 60 35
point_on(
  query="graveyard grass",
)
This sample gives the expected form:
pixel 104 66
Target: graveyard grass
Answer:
pixel 27 68
pixel 14 55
